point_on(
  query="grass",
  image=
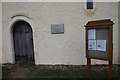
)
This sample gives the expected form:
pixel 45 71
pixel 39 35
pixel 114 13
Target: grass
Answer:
pixel 50 73
pixel 7 69
pixel 37 72
pixel 57 73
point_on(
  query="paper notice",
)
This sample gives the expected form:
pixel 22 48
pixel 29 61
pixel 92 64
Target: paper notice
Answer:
pixel 91 44
pixel 101 45
pixel 91 34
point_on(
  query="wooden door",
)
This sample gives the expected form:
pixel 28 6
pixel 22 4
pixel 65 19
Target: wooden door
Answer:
pixel 23 42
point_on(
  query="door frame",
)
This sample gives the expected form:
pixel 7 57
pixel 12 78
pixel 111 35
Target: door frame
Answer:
pixel 11 24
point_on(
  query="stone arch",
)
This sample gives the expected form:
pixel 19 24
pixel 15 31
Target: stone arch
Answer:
pixel 14 20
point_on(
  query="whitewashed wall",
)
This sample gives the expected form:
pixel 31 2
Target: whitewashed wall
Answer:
pixel 67 48
pixel 0 32
pixel 119 33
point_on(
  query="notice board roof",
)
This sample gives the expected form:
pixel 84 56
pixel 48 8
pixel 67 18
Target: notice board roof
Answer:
pixel 103 22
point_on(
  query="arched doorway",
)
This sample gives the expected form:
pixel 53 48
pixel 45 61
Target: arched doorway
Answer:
pixel 23 42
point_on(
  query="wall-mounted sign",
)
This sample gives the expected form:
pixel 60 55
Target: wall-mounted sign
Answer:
pixel 57 28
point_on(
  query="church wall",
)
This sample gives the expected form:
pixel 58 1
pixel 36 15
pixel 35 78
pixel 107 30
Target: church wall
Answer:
pixel 67 48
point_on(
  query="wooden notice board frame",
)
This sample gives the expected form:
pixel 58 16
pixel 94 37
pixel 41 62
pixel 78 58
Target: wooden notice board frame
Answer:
pixel 101 31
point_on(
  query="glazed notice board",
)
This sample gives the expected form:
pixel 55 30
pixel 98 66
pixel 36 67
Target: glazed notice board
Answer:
pixel 99 39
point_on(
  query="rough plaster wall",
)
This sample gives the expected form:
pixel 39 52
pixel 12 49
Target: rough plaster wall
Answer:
pixel 0 31
pixel 119 33
pixel 0 39
pixel 67 48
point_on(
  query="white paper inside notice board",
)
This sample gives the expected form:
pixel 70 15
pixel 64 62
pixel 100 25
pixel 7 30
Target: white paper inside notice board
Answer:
pixel 91 34
pixel 101 45
pixel 91 44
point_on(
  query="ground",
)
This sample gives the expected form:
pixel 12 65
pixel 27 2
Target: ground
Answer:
pixel 27 71
pixel 19 73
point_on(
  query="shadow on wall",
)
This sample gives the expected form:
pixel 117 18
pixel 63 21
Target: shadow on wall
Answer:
pixel 119 32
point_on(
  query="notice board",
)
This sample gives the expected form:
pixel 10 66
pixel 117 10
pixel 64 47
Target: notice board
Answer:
pixel 99 39
pixel 99 42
